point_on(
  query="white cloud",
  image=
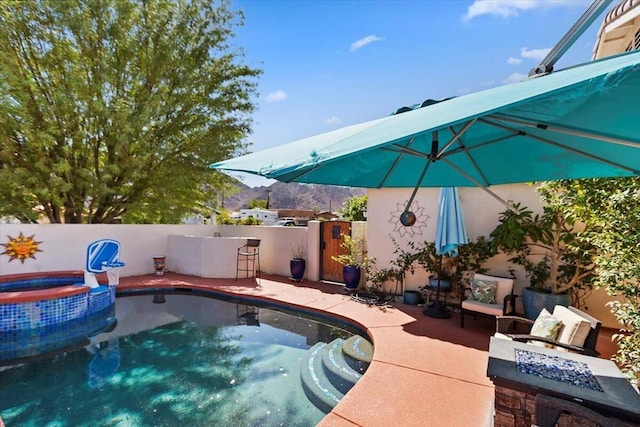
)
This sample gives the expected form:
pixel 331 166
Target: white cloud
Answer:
pixel 333 120
pixel 515 77
pixel 512 8
pixel 488 83
pixel 514 61
pixel 276 96
pixel 538 54
pixel 363 42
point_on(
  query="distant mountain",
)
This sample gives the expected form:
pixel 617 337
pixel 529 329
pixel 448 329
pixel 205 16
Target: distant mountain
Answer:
pixel 294 196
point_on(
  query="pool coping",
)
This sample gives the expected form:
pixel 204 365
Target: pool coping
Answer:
pixel 14 297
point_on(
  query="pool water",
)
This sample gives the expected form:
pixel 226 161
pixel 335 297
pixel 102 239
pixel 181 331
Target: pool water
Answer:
pixel 192 361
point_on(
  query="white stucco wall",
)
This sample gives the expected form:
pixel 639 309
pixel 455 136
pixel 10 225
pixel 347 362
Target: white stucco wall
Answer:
pixel 63 246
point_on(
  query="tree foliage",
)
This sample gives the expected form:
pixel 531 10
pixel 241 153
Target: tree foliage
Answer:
pixel 257 204
pixel 550 247
pixel 354 208
pixel 115 108
pixel 611 208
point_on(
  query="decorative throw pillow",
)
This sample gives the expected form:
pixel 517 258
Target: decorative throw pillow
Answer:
pixel 574 327
pixel 484 290
pixel 546 326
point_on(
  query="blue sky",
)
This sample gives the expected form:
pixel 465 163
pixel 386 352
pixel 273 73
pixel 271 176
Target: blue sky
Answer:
pixel 329 64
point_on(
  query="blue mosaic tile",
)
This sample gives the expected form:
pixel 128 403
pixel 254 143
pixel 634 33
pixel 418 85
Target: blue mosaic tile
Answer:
pixel 32 342
pixel 556 368
pixel 36 327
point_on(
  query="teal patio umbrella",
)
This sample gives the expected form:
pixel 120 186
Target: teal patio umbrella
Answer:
pixel 450 233
pixel 573 123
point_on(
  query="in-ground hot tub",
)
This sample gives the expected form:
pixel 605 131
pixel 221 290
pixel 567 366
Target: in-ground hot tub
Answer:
pixel 41 313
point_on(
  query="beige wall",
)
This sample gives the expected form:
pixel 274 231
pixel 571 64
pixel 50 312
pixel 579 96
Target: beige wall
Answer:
pixel 480 212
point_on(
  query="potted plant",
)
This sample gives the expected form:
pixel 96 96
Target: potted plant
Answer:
pixel 439 267
pixel 454 269
pixel 395 274
pixel 557 262
pixel 354 261
pixel 297 263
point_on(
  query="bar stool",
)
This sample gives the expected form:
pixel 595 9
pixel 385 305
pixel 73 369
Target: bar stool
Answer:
pixel 248 259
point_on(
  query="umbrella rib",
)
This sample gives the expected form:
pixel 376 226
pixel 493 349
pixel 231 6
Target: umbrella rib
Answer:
pixel 564 147
pixel 479 184
pixel 456 136
pixel 465 150
pixel 478 145
pixel 415 190
pixel 566 130
pixel 404 150
pixel 395 163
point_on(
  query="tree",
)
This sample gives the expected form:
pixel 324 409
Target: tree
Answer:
pixel 611 209
pixel 354 208
pixel 115 108
pixel 550 247
pixel 257 204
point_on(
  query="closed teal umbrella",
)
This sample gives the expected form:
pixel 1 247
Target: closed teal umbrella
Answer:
pixel 450 229
pixel 573 123
pixel 450 233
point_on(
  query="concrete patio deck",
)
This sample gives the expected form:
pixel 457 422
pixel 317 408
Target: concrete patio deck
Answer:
pixel 425 371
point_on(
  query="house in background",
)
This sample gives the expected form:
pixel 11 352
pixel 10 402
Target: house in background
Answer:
pixel 266 216
pixel 620 30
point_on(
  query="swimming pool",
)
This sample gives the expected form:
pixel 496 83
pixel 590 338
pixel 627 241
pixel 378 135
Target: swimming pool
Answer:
pixel 191 361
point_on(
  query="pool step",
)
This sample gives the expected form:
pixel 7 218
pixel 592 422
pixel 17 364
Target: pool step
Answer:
pixel 340 371
pixel 328 371
pixel 359 349
pixel 315 383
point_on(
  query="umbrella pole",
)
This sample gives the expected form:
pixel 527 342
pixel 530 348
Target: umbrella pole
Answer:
pixel 438 311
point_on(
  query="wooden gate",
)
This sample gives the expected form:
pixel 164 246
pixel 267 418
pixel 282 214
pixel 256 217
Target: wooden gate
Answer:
pixel 331 237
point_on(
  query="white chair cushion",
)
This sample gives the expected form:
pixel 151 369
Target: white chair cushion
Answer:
pixel 502 336
pixel 575 328
pixel 480 307
pixel 505 286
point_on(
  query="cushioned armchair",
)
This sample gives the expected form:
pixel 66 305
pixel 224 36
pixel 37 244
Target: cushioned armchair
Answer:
pixel 488 296
pixel 566 329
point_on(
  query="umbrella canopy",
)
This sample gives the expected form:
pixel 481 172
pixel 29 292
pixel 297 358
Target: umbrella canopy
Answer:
pixel 450 229
pixel 574 123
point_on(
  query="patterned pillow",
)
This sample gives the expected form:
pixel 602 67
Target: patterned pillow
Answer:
pixel 484 290
pixel 546 326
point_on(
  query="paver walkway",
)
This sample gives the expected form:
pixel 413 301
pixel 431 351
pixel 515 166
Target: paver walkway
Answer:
pixel 425 371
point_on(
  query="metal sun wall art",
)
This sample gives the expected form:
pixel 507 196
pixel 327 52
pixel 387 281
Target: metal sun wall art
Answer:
pixel 416 228
pixel 21 247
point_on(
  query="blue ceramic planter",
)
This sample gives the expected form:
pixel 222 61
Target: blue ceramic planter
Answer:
pixel 412 297
pixel 445 284
pixel 297 266
pixel 533 302
pixel 351 276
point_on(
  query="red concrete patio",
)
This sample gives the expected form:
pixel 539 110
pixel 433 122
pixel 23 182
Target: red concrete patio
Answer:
pixel 425 371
